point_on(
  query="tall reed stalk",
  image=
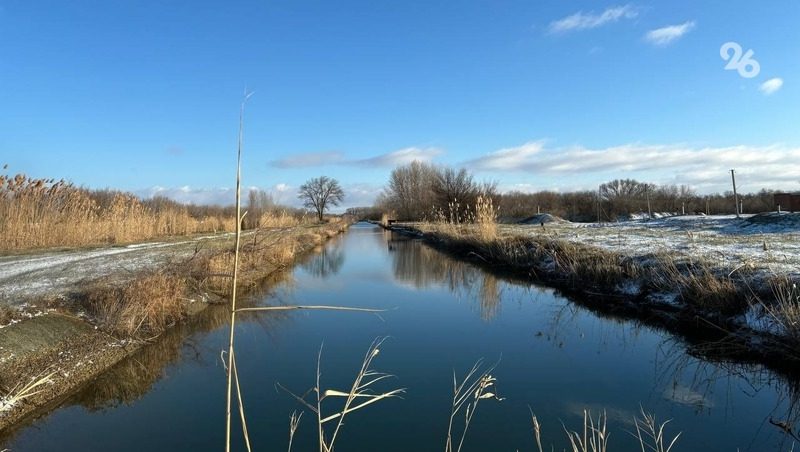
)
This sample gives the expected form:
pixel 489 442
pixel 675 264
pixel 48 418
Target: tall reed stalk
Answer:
pixel 235 275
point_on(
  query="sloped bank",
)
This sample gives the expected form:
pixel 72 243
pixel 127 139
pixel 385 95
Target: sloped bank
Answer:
pixel 727 314
pixel 47 357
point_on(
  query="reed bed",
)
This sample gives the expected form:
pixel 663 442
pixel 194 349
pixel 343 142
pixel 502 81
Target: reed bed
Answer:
pixel 697 283
pixel 145 306
pixel 42 213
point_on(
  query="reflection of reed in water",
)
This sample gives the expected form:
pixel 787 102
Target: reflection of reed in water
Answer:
pixel 134 376
pixel 327 262
pixel 691 373
pixel 489 297
pixel 424 267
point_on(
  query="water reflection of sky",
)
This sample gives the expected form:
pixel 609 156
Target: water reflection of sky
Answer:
pixel 554 357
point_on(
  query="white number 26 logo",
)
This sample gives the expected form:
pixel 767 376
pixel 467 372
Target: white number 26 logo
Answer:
pixel 744 64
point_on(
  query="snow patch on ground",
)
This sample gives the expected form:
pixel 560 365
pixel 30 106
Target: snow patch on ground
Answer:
pixel 763 246
pixel 54 273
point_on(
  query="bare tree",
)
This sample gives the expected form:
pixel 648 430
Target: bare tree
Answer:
pixel 622 196
pixel 320 193
pixel 410 190
pixel 259 202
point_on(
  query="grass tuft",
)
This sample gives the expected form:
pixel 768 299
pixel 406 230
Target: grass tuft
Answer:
pixel 21 392
pixel 784 310
pixel 360 395
pixel 477 385
pixel 143 307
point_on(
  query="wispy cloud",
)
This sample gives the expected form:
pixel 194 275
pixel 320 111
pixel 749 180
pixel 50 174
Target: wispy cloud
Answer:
pixel 585 21
pixel 771 86
pixel 389 159
pixel 401 157
pixel 666 35
pixel 309 159
pixel 774 166
pixel 508 159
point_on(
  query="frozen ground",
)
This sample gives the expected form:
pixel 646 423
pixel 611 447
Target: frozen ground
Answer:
pixel 766 243
pixel 55 272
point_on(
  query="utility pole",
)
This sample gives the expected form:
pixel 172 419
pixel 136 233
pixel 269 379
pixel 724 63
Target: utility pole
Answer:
pixel 598 204
pixel 735 196
pixel 647 194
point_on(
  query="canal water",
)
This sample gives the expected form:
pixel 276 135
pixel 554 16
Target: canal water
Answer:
pixel 551 357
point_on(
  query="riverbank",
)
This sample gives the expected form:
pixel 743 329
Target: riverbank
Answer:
pixel 53 345
pixel 741 311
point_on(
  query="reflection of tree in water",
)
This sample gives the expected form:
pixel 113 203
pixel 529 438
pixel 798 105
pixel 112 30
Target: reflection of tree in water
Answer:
pixel 327 262
pixel 423 267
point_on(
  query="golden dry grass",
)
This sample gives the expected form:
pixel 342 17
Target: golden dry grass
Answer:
pixel 784 310
pixel 145 306
pixel 486 217
pixel 280 219
pixel 41 213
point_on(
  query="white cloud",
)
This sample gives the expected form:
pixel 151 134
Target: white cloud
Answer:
pixel 666 35
pixel 508 159
pixel 356 195
pixel 705 168
pixel 401 157
pixel 389 159
pixel 584 21
pixel 188 195
pixel 771 86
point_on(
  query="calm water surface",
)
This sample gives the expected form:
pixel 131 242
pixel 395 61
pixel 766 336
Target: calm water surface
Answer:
pixel 442 315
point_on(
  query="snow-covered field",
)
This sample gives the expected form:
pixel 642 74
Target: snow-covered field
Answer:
pixel 766 243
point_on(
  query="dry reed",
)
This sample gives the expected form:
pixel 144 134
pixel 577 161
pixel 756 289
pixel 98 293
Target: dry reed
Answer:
pixel 41 213
pixel 21 392
pixel 477 385
pixel 594 436
pixel 143 307
pixel 486 218
pixel 360 395
pixel 651 434
pixel 784 310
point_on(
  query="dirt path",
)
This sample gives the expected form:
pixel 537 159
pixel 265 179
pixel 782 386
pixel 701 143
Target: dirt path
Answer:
pixel 25 277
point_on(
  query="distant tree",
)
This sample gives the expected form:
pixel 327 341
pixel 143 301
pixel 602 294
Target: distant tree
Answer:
pixel 320 193
pixel 259 202
pixel 410 190
pixel 621 196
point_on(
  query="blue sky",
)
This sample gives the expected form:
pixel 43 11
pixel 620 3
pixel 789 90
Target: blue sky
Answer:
pixel 562 95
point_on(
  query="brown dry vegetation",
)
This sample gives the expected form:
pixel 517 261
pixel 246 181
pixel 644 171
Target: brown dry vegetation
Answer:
pixel 147 304
pixel 705 292
pixel 6 315
pixel 575 265
pixel 40 213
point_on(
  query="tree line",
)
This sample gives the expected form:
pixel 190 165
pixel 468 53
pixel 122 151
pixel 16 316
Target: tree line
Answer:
pixel 419 191
pixel 423 191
